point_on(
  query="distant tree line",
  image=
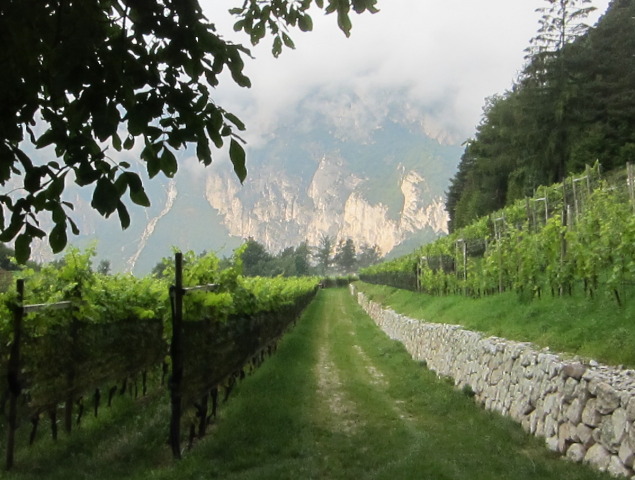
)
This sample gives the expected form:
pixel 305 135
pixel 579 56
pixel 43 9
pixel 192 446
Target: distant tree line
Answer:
pixel 327 258
pixel 323 259
pixel 573 104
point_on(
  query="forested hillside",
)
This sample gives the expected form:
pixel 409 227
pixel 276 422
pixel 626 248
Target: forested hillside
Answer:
pixel 573 104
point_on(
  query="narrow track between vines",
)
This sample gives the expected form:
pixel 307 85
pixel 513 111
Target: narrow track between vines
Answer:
pixel 338 400
pixel 342 401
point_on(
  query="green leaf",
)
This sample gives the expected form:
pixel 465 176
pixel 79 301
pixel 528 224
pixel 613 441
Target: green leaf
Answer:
pixel 74 227
pixel 361 6
pixel 211 77
pixel 169 166
pixel 214 135
pixel 22 248
pixel 128 143
pixel 135 122
pixel 235 120
pixel 105 197
pixel 116 142
pixel 56 187
pixel 305 22
pixel 124 217
pixel 149 155
pixel 344 21
pixel 47 138
pixel 34 232
pixel 105 121
pixel 57 237
pixel 153 168
pixel 58 214
pixel 6 160
pixel 121 184
pixel 85 174
pixel 33 180
pixel 370 6
pixel 177 138
pixel 258 32
pixel 137 192
pixel 9 233
pixel 277 47
pixel 241 80
pixel 237 156
pixel 239 25
pixel 139 197
pixel 153 132
pixel 203 152
pixel 287 40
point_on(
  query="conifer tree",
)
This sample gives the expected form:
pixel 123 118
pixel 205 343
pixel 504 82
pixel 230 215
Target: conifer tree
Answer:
pixel 345 257
pixel 560 24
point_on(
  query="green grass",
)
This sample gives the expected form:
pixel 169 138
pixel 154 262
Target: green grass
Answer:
pixel 594 328
pixel 339 400
pixel 123 442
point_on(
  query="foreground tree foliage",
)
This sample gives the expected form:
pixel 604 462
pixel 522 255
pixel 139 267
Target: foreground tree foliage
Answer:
pixel 573 104
pixel 86 79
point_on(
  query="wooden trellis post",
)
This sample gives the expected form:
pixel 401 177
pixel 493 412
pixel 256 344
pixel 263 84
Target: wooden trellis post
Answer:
pixel 498 234
pixel 546 205
pixel 630 182
pixel 13 368
pixel 463 250
pixel 176 354
pixel 177 292
pixel 13 371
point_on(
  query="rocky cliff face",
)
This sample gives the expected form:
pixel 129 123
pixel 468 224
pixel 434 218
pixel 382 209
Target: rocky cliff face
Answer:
pixel 286 212
pixel 377 178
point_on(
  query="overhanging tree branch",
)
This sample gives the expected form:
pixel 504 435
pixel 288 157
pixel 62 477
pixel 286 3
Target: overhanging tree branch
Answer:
pixel 85 77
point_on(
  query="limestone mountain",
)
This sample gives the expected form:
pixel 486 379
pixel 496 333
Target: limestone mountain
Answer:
pixel 337 170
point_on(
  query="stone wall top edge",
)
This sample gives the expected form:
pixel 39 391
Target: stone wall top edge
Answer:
pixel 567 364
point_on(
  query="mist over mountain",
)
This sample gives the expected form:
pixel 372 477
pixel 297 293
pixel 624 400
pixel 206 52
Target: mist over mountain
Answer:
pixel 370 169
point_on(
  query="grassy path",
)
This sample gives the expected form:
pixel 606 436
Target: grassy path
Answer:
pixel 339 400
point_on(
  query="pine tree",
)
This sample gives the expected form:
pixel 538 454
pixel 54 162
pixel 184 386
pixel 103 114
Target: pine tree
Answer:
pixel 561 23
pixel 322 254
pixel 345 258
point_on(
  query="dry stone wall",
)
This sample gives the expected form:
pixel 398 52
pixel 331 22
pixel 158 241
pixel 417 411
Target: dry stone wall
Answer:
pixel 584 410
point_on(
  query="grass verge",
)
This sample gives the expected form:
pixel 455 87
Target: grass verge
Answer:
pixel 594 328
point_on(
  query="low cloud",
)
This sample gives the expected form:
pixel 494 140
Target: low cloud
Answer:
pixel 443 56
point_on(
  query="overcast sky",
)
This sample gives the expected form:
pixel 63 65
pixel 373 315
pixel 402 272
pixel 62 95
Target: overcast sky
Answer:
pixel 447 56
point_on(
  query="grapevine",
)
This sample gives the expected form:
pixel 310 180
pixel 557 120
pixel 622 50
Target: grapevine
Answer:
pixel 115 328
pixel 577 234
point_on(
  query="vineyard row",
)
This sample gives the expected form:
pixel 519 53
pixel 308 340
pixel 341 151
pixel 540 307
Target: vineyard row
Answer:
pixel 66 332
pixel 577 234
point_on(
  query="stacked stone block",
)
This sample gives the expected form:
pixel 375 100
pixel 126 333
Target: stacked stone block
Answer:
pixel 583 410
